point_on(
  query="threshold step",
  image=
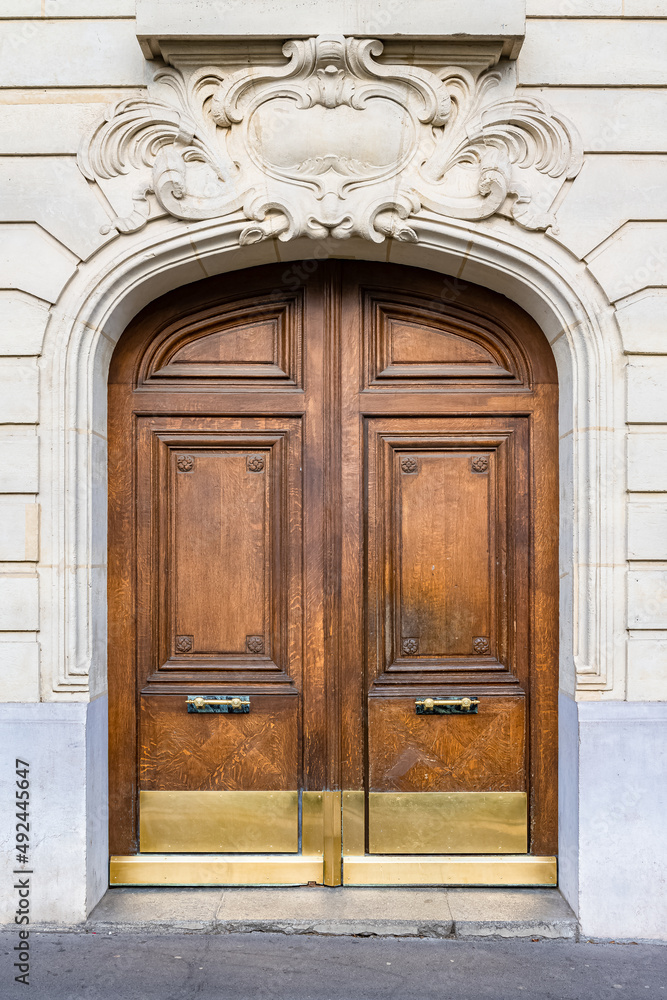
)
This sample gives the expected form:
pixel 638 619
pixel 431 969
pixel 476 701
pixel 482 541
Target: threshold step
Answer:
pixel 400 912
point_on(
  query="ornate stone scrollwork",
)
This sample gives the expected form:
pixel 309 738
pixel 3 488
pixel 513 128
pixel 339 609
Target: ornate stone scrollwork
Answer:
pixel 334 143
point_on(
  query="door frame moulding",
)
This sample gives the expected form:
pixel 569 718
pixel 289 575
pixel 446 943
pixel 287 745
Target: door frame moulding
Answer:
pixel 552 286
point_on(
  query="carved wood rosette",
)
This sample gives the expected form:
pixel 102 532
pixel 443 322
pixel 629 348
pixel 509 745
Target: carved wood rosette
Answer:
pixel 333 143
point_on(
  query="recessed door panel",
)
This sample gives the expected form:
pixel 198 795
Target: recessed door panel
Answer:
pixel 446 551
pixel 478 752
pixel 181 751
pixel 224 522
pixel 220 539
pixel 447 560
pixel 255 342
pixel 416 341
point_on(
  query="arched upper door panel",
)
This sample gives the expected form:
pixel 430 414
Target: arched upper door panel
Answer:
pixel 452 334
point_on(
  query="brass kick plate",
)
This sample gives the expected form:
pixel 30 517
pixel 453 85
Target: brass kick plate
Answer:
pixel 219 822
pixel 448 822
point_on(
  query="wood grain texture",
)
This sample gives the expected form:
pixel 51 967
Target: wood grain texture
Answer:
pixel 448 562
pixel 219 548
pixel 445 552
pixel 485 752
pixel 219 567
pixel 418 340
pixel 237 344
pixel 180 751
pixel 378 583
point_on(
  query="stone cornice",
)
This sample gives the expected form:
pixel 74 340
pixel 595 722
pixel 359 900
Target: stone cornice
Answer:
pixel 161 23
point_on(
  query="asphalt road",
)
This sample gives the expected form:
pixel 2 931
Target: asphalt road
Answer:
pixel 279 967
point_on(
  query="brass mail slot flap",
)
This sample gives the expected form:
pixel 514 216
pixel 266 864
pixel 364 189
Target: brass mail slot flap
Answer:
pixel 448 822
pixel 503 869
pixel 219 822
pixel 214 869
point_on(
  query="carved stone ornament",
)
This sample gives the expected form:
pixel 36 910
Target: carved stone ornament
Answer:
pixel 333 143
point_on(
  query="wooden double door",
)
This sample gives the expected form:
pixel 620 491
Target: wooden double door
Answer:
pixel 333 583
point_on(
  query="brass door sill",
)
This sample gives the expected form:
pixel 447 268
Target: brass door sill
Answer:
pixel 215 869
pixel 258 869
pixel 484 870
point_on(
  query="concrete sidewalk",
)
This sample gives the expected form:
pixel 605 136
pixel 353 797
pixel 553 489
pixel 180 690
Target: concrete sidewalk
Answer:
pixel 143 966
pixel 399 912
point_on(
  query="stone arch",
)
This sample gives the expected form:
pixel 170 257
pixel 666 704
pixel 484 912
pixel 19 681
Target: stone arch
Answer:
pixel 109 289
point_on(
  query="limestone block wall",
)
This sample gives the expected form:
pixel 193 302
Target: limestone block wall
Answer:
pixel 599 62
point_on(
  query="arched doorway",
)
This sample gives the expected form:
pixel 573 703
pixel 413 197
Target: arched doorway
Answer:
pixel 333 583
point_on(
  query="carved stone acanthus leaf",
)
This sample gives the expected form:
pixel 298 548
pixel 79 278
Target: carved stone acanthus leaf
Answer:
pixel 334 143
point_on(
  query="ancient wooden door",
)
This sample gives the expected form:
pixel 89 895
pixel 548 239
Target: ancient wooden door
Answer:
pixel 333 583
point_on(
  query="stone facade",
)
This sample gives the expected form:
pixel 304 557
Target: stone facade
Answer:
pixel 565 212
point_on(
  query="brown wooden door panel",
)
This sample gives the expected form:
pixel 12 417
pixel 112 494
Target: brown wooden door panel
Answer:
pixel 333 488
pixel 222 516
pixel 220 541
pixel 251 343
pixel 214 752
pixel 448 549
pixel 483 752
pixel 413 341
pixel 445 551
